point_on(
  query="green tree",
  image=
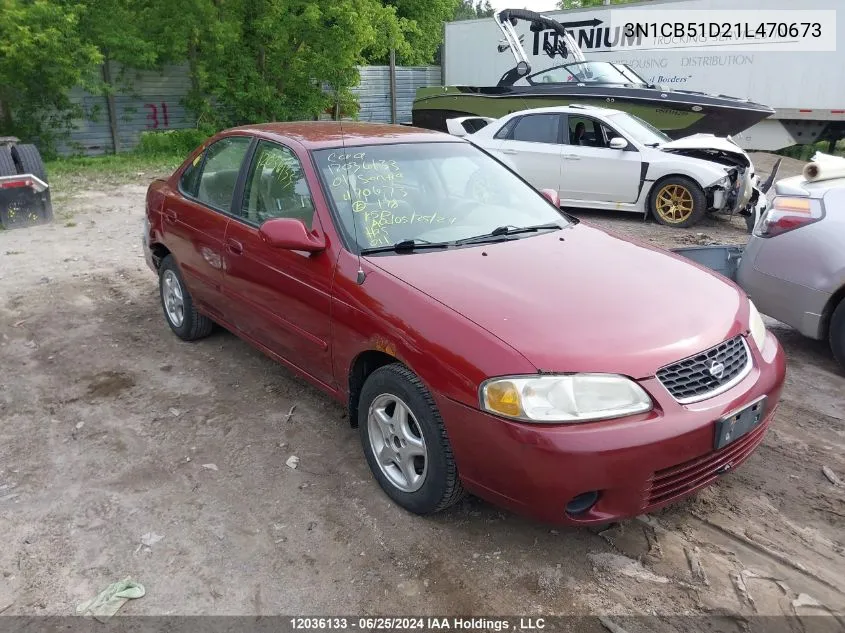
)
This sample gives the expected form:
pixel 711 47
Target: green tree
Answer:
pixel 469 10
pixel 273 60
pixel 120 29
pixel 43 54
pixel 421 23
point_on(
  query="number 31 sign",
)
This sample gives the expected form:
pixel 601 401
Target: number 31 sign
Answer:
pixel 153 115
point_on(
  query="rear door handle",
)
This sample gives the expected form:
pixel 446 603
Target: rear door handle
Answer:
pixel 170 215
pixel 509 151
pixel 234 247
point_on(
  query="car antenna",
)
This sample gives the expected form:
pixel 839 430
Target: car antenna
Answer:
pixel 362 276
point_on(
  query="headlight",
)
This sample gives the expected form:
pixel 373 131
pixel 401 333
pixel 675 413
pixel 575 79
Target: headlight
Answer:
pixel 564 399
pixel 756 325
pixel 724 181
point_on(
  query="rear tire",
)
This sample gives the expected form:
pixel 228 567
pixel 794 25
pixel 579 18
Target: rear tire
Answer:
pixel 677 201
pixel 836 335
pixel 397 418
pixel 28 161
pixel 178 306
pixel 7 163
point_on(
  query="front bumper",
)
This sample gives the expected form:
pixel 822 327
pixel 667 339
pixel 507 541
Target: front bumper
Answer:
pixel 636 464
pixel 145 245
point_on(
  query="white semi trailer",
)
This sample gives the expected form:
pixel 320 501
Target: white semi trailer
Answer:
pixel 806 89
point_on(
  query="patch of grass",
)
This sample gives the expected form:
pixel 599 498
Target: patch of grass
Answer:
pixel 113 166
pixel 157 154
pixel 169 142
pixel 806 152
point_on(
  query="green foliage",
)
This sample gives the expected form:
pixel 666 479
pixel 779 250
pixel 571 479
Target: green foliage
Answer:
pixel 249 60
pixel 118 28
pixel 43 54
pixel 473 10
pixel 806 152
pixel 273 59
pixel 421 22
pixel 170 142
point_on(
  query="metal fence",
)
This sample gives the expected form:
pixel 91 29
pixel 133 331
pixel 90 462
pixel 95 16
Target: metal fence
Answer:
pixel 374 90
pixel 153 100
pixel 143 100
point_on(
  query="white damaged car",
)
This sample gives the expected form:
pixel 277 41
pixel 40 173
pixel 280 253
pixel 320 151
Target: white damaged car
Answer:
pixel 600 158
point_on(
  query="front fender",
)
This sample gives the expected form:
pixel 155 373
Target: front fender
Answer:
pixel 704 173
pixel 451 354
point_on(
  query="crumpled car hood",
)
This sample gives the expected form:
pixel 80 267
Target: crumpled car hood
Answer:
pixel 697 145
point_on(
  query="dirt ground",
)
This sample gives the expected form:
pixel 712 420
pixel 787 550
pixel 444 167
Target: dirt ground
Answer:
pixel 113 432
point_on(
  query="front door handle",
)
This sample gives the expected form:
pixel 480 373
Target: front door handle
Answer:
pixel 509 151
pixel 170 215
pixel 234 247
pixel 572 157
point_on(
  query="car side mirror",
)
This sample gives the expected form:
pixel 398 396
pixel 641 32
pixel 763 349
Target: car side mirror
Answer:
pixel 617 142
pixel 551 196
pixel 292 234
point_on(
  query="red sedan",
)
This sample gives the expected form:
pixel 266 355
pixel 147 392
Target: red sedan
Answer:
pixel 483 340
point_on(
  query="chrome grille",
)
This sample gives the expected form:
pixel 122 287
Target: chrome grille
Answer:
pixel 708 373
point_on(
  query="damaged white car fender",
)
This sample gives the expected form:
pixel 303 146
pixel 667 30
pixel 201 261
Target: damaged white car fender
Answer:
pixel 731 195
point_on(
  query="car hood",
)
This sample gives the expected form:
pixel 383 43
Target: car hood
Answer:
pixel 580 299
pixel 710 144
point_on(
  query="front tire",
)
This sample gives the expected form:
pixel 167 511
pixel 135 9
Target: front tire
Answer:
pixel 677 201
pixel 405 441
pixel 179 310
pixel 836 335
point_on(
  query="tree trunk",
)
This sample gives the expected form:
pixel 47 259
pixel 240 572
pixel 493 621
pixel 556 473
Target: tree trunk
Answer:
pixel 6 116
pixel 113 125
pixel 193 65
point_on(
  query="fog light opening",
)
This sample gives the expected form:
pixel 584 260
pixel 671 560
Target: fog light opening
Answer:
pixel 581 503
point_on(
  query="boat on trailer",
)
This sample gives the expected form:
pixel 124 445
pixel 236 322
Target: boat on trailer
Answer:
pixel 677 113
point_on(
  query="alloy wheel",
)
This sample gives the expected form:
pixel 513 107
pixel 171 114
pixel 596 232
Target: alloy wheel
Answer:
pixel 397 442
pixel 173 297
pixel 674 204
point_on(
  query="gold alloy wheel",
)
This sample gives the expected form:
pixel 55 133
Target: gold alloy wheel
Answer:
pixel 674 204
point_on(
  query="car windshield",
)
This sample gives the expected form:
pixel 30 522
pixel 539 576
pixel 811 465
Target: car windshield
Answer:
pixel 587 72
pixel 427 192
pixel 637 129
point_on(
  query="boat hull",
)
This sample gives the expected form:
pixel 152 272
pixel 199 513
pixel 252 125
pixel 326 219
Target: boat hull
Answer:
pixel 676 113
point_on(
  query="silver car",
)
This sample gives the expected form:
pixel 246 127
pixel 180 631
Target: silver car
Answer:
pixel 794 264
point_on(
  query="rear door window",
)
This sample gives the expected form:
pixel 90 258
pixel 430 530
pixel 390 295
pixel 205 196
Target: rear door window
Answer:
pixel 220 172
pixel 537 128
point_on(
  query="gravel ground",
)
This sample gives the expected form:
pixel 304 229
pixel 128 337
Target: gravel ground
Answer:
pixel 112 429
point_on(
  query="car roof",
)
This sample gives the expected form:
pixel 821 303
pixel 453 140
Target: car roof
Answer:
pixel 571 109
pixel 325 134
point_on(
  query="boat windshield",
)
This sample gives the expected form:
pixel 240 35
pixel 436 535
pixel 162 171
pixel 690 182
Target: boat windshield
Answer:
pixel 588 72
pixel 638 129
